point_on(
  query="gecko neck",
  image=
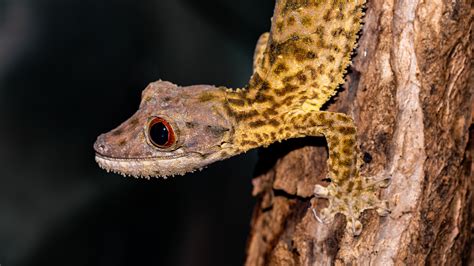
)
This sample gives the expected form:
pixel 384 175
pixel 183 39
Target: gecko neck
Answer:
pixel 260 121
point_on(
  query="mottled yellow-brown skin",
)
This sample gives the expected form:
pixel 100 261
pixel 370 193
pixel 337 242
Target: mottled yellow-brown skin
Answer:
pixel 297 68
pixel 303 63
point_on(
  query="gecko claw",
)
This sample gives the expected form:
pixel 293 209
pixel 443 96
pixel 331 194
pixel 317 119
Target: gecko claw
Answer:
pixel 324 217
pixel 316 216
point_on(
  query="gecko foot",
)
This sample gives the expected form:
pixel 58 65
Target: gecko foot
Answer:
pixel 351 198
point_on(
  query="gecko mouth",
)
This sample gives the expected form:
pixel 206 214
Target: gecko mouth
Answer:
pixel 151 167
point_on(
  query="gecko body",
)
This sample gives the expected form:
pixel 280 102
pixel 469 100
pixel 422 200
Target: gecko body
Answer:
pixel 297 68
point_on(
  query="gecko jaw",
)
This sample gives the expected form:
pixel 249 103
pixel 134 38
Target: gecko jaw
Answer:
pixel 154 166
pixel 162 167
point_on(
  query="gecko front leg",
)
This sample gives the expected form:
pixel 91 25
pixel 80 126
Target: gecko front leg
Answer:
pixel 349 193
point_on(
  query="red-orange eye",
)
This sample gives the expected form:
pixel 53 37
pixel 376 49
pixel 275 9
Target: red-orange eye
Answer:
pixel 160 133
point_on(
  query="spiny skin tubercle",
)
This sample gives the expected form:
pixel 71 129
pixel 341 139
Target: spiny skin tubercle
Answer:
pixel 297 68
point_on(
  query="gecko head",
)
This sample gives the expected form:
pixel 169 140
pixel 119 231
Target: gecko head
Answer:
pixel 176 130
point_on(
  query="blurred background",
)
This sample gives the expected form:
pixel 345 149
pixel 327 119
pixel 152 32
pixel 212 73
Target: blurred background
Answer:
pixel 72 69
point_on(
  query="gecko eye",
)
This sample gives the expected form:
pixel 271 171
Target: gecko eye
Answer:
pixel 160 133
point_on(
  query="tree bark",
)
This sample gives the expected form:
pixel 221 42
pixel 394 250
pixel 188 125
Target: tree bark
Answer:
pixel 410 92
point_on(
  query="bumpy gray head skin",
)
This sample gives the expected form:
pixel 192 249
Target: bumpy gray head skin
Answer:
pixel 201 127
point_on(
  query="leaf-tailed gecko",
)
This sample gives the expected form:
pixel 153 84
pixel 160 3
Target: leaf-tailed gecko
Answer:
pixel 297 68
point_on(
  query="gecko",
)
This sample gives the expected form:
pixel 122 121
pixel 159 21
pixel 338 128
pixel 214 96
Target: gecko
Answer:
pixel 298 67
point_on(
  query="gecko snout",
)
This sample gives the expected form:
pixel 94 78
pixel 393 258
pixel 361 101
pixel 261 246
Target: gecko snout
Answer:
pixel 100 146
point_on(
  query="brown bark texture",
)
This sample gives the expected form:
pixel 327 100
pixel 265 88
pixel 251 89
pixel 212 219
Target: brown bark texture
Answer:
pixel 410 91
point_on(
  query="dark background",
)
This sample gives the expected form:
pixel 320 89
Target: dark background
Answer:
pixel 72 69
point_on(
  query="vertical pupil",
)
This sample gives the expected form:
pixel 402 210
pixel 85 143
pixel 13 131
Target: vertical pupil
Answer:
pixel 159 133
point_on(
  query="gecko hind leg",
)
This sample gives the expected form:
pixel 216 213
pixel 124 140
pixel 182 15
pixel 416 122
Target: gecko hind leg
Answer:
pixel 348 193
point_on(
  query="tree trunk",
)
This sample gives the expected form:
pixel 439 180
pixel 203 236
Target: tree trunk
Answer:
pixel 410 93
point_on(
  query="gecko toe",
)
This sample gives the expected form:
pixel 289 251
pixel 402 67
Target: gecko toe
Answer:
pixel 326 215
pixel 318 217
pixel 383 209
pixel 321 192
pixel 355 226
pixel 384 181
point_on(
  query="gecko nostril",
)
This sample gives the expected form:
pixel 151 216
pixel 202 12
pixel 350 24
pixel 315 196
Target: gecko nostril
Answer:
pixel 99 145
pixel 101 148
